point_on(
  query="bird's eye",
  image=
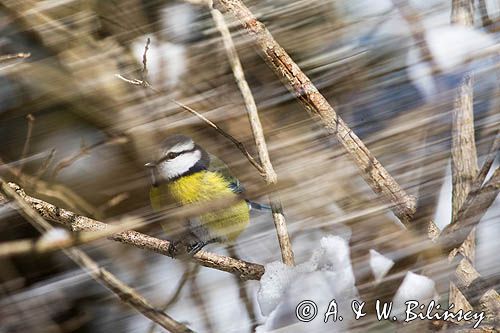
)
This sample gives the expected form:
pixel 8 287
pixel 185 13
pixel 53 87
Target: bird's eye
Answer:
pixel 172 155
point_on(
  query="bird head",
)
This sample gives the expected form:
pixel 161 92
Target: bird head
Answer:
pixel 178 156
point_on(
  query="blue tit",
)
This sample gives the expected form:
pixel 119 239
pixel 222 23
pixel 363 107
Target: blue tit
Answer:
pixel 185 173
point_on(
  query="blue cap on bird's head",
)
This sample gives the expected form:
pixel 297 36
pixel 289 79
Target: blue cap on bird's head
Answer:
pixel 178 156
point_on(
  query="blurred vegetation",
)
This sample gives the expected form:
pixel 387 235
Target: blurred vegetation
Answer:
pixel 80 108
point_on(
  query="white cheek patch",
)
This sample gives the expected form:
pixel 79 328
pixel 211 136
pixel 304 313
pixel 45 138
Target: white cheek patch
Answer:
pixel 182 146
pixel 179 165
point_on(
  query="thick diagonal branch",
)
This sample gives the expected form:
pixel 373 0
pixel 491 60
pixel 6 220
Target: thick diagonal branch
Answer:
pixel 125 293
pixel 403 205
pixel 243 269
pixel 269 174
pixel 471 212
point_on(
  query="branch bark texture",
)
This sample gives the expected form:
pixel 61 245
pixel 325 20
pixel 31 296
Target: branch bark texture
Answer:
pixel 125 293
pixel 269 174
pixel 403 205
pixel 243 269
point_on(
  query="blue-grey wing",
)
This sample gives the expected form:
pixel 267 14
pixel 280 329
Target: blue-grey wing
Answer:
pixel 257 206
pixel 216 165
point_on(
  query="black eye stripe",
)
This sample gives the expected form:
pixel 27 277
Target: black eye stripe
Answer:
pixel 167 157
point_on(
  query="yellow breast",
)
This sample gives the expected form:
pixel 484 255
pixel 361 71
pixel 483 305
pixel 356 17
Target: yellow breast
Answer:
pixel 226 223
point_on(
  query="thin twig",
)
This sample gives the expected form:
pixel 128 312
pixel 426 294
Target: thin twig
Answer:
pixel 245 270
pixel 199 299
pixel 245 299
pixel 125 293
pixel 26 147
pixel 281 230
pixel 270 176
pixel 18 247
pixel 253 115
pixel 49 244
pixel 372 171
pixel 114 201
pixel 8 57
pixel 41 245
pixel 145 84
pixel 144 71
pixel 49 189
pixel 417 31
pixel 238 144
pixel 183 280
pixel 46 163
pixel 84 151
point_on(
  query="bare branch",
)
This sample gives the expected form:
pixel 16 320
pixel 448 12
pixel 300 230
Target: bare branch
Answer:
pixel 245 270
pixel 253 115
pixel 463 152
pixel 372 171
pixel 26 147
pixel 245 299
pixel 43 245
pixel 173 299
pixel 269 175
pixel 464 165
pixel 45 164
pixel 199 298
pixel 19 247
pixel 145 60
pixel 135 82
pixel 8 57
pixel 417 31
pixel 462 12
pixel 238 144
pixel 84 151
pixel 471 212
pixel 114 201
pixel 488 162
pixel 476 289
pixel 56 191
pixel 50 244
pixel 125 293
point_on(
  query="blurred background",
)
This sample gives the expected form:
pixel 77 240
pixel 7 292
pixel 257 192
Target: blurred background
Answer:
pixel 75 135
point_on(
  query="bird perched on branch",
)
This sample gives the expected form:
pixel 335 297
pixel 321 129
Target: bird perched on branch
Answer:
pixel 186 174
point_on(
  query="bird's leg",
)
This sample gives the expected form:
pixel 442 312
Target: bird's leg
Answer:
pixel 195 243
pixel 188 243
pixel 196 246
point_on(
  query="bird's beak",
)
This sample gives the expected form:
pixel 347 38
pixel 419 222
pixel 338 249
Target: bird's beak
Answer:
pixel 152 168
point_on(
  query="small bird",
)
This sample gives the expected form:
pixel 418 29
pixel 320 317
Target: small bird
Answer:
pixel 185 173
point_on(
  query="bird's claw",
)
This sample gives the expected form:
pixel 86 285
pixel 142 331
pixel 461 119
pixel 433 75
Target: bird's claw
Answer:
pixel 187 245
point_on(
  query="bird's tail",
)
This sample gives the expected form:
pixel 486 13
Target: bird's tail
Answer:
pixel 258 206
